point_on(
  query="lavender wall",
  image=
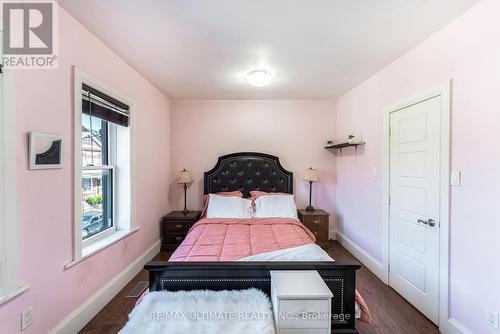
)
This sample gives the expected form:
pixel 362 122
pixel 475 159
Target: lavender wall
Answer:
pixel 294 130
pixel 468 51
pixel 45 198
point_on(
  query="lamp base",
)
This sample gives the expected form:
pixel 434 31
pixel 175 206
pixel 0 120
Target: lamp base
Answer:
pixel 185 211
pixel 310 208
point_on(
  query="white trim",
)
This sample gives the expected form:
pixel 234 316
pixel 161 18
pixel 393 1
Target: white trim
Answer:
pixel 98 167
pixel 443 90
pixel 369 261
pixel 97 237
pixel 9 280
pixel 79 317
pixel 97 246
pixel 81 77
pixel 453 326
pixel 13 294
pixel 112 142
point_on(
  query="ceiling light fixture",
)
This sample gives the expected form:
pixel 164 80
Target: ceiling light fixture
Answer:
pixel 259 78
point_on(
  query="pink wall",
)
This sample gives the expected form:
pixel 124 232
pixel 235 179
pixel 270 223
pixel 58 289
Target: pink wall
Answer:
pixel 45 198
pixel 468 51
pixel 293 130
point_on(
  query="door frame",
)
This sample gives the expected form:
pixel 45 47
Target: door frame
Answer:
pixel 444 91
pixel 9 278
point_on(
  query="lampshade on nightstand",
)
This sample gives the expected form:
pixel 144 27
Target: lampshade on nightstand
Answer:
pixel 185 178
pixel 310 176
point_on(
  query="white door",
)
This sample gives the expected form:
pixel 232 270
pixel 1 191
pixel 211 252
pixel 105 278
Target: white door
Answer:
pixel 414 204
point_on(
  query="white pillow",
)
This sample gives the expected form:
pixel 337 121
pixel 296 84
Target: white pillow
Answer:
pixel 275 206
pixel 229 207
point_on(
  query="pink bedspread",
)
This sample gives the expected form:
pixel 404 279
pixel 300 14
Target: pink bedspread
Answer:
pixel 230 239
pixel 224 239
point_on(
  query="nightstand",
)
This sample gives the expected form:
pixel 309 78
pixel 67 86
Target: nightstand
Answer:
pixel 317 222
pixel 302 302
pixel 175 226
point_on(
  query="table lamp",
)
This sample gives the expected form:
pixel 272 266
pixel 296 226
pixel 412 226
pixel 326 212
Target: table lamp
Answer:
pixel 310 175
pixel 185 178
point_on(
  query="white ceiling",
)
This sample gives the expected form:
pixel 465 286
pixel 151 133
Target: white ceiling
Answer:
pixel 318 49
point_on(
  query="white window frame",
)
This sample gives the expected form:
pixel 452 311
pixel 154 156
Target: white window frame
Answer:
pixel 9 281
pixel 112 142
pixel 123 177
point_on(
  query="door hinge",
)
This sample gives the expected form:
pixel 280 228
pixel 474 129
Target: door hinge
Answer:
pixel 389 200
pixel 389 267
pixel 390 131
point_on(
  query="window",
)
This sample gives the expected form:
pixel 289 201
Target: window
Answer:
pixel 101 119
pixel 98 164
pixel 103 173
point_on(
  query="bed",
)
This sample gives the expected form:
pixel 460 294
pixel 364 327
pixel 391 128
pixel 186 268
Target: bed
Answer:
pixel 231 254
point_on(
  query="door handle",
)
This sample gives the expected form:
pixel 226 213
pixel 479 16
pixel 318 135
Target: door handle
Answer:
pixel 429 222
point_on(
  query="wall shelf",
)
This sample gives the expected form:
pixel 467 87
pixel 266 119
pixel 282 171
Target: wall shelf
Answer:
pixel 344 145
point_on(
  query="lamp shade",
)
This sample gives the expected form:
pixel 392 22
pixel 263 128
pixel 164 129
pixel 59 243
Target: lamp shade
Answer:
pixel 185 177
pixel 310 175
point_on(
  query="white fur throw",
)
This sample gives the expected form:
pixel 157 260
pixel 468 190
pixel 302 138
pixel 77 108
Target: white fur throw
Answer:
pixel 202 311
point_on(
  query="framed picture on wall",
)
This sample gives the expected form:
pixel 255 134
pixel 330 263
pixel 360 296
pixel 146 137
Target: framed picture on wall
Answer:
pixel 45 151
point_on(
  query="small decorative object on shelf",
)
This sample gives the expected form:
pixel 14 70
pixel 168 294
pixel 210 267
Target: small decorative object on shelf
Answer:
pixel 310 175
pixel 350 143
pixel 185 178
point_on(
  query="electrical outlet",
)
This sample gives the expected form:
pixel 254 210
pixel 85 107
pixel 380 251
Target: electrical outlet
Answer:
pixel 492 318
pixel 26 319
pixel 456 178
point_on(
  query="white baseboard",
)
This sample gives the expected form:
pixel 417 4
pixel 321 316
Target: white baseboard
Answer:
pixel 77 319
pixel 369 261
pixel 332 235
pixel 453 326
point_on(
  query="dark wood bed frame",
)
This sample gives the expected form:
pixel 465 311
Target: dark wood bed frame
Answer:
pixel 249 171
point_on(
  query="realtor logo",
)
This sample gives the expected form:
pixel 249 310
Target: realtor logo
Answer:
pixel 29 34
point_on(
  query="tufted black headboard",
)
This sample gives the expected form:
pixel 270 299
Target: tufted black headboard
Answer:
pixel 248 171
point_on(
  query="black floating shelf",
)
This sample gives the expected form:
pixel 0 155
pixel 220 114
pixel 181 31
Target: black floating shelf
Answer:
pixel 344 145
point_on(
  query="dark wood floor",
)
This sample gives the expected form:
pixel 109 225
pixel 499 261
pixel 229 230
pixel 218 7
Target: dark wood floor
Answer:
pixel 390 312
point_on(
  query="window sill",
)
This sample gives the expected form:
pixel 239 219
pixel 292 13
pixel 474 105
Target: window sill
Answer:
pixel 9 296
pixel 99 245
